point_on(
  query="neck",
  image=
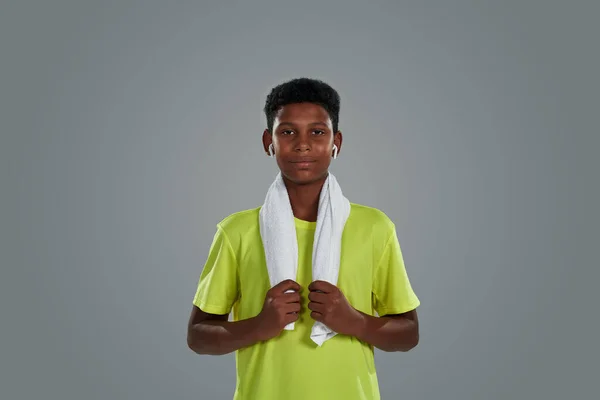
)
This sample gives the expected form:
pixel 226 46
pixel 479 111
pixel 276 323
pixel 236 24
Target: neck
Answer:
pixel 304 198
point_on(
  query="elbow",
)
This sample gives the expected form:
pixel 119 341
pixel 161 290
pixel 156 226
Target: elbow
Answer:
pixel 195 343
pixel 192 343
pixel 410 341
pixel 410 344
pixel 203 347
pixel 406 336
pixel 404 345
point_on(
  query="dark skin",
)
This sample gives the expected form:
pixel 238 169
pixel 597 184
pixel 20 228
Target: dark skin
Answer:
pixel 303 132
pixel 303 139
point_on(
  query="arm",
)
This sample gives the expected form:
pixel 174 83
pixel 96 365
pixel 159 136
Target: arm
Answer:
pixel 214 335
pixel 397 328
pixel 208 329
pixel 399 332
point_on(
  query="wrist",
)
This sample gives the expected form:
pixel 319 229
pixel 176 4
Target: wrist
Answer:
pixel 257 330
pixel 358 324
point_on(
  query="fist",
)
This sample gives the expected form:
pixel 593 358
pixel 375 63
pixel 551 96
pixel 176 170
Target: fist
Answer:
pixel 281 307
pixel 329 306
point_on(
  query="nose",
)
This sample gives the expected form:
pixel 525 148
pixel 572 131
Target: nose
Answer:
pixel 302 142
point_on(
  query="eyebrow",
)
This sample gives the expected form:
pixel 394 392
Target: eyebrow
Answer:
pixel 311 124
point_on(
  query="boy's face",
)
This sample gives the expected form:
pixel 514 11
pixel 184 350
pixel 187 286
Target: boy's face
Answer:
pixel 303 140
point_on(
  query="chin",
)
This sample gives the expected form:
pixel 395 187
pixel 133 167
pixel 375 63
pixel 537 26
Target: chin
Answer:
pixel 304 177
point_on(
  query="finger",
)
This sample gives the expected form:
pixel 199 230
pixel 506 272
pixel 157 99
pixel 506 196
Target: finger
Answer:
pixel 317 297
pixel 289 318
pixel 292 308
pixel 318 307
pixel 286 285
pixel 321 286
pixel 291 297
pixel 317 316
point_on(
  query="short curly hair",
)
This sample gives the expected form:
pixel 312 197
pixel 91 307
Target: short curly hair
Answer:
pixel 303 90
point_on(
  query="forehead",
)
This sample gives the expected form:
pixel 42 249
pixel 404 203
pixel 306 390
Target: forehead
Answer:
pixel 302 112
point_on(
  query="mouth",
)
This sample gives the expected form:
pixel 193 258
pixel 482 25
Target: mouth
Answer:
pixel 303 163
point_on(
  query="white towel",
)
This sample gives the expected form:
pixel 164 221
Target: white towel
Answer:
pixel 278 232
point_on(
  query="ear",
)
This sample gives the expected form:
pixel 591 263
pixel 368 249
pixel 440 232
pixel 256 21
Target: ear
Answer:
pixel 267 139
pixel 337 140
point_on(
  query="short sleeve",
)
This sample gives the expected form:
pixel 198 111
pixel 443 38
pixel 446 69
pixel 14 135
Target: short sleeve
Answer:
pixel 217 288
pixel 392 291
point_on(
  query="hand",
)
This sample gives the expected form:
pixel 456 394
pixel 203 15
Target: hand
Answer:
pixel 279 309
pixel 330 306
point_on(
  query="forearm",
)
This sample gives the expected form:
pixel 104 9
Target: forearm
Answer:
pixel 215 337
pixel 388 333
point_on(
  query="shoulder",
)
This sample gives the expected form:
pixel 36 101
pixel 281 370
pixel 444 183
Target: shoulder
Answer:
pixel 240 223
pixel 369 229
pixel 370 226
pixel 371 217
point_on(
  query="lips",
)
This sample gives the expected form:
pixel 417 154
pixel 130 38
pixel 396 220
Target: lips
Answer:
pixel 303 162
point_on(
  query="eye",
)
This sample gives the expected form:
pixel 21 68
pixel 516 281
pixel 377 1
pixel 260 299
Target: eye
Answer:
pixel 287 131
pixel 319 132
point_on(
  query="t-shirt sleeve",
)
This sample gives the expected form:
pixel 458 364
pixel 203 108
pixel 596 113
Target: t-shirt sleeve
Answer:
pixel 392 290
pixel 218 286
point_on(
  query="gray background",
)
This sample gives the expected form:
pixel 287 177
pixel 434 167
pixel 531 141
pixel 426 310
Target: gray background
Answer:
pixel 130 128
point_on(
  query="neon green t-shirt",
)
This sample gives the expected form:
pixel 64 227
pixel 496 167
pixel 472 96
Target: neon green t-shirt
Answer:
pixel 291 366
